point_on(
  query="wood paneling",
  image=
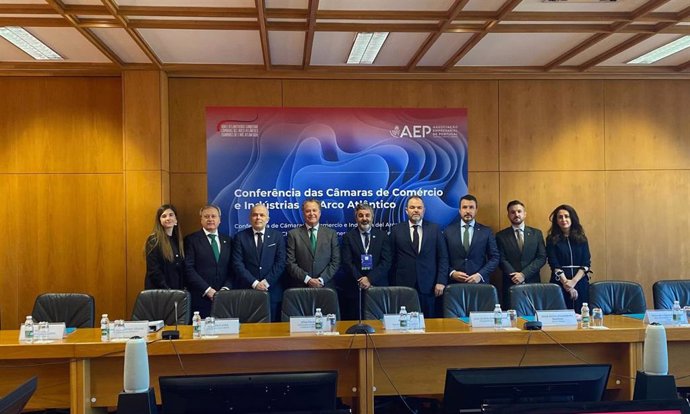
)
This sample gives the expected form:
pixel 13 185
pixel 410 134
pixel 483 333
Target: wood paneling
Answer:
pixel 551 125
pixel 188 193
pixel 647 124
pixel 60 125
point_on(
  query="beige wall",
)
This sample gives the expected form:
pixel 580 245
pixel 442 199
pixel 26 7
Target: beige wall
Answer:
pixel 85 162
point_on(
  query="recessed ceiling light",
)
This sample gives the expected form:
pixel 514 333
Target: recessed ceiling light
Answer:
pixel 663 51
pixel 366 48
pixel 28 43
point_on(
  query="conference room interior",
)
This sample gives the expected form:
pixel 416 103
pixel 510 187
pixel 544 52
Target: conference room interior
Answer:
pixel 91 150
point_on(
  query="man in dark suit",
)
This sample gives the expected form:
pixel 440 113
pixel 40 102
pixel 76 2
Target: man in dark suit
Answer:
pixel 471 246
pixel 420 258
pixel 258 258
pixel 522 250
pixel 366 259
pixel 313 255
pixel 207 261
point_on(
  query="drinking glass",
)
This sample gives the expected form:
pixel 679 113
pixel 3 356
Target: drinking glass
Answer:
pixel 597 317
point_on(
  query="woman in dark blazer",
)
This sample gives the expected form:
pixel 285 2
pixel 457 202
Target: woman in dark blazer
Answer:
pixel 164 252
pixel 569 258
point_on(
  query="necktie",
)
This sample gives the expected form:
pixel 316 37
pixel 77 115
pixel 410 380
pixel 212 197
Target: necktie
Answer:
pixel 259 243
pixel 214 246
pixel 415 238
pixel 312 239
pixel 520 239
pixel 466 237
pixel 366 241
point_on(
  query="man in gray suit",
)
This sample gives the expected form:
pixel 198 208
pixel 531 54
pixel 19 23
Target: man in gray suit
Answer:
pixel 313 255
pixel 522 250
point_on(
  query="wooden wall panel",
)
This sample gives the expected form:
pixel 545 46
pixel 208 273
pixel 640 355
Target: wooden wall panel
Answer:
pixel 648 226
pixel 551 125
pixel 9 276
pixel 480 97
pixel 188 193
pixel 60 125
pixel 143 120
pixel 647 124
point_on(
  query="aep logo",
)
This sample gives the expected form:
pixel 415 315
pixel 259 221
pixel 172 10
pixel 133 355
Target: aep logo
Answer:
pixel 415 131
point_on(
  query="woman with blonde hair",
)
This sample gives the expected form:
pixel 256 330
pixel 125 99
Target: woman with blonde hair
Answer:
pixel 164 252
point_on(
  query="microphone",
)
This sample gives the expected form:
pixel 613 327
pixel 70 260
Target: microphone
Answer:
pixel 360 328
pixel 532 325
pixel 174 333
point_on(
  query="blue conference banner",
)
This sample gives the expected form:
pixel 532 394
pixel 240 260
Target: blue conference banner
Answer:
pixel 340 156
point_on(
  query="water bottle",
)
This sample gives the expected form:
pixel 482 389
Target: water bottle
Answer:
pixel 330 318
pixel 414 321
pixel 210 326
pixel 404 318
pixel 105 328
pixel 318 321
pixel 29 329
pixel 584 313
pixel 498 316
pixel 196 325
pixel 676 313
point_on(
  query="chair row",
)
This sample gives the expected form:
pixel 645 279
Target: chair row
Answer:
pixel 613 297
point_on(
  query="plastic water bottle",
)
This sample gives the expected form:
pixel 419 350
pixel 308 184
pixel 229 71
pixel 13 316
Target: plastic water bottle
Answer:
pixel 318 321
pixel 196 325
pixel 105 328
pixel 498 316
pixel 584 313
pixel 29 329
pixel 404 318
pixel 677 318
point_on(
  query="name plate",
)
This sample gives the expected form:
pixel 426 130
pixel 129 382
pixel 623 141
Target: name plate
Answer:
pixel 131 329
pixel 664 317
pixel 304 324
pixel 56 331
pixel 486 320
pixel 229 326
pixel 391 322
pixel 564 317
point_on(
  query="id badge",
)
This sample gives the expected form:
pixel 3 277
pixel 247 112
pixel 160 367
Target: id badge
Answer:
pixel 367 262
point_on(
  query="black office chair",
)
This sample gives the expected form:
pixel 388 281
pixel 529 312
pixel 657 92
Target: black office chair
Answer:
pixel 666 291
pixel 15 401
pixel 76 310
pixel 379 301
pixel 460 299
pixel 540 296
pixel 617 297
pixel 159 304
pixel 248 305
pixel 304 301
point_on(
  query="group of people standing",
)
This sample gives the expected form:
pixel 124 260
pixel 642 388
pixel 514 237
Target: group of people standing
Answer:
pixel 416 253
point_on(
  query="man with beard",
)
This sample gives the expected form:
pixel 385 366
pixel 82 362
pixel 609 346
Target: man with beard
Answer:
pixel 522 249
pixel 366 257
pixel 471 246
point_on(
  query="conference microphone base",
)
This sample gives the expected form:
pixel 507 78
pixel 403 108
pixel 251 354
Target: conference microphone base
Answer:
pixel 532 326
pixel 172 334
pixel 655 387
pixel 360 328
pixel 137 403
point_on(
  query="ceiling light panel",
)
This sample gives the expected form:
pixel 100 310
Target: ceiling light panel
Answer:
pixel 29 43
pixel 664 51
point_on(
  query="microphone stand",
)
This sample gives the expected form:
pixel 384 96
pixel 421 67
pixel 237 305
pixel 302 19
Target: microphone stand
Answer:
pixel 532 325
pixel 360 328
pixel 173 333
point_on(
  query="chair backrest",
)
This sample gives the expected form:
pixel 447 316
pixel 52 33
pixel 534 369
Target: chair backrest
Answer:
pixel 248 305
pixel 379 301
pixel 14 402
pixel 76 310
pixel 544 296
pixel 666 291
pixel 304 301
pixel 159 304
pixel 459 299
pixel 617 297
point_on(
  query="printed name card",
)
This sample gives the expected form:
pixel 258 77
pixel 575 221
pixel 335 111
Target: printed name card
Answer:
pixel 486 320
pixel 303 324
pixel 225 326
pixel 565 317
pixel 391 322
pixel 132 328
pixel 55 332
pixel 664 317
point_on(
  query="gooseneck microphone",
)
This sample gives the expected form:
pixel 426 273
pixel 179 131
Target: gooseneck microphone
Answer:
pixel 534 325
pixel 174 333
pixel 360 328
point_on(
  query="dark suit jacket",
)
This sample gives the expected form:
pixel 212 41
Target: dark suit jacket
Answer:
pixel 302 262
pixel 248 266
pixel 379 249
pixel 483 256
pixel 529 261
pixel 202 270
pixel 160 273
pixel 421 270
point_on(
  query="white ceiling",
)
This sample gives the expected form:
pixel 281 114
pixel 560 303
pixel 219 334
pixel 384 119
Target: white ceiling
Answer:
pixel 466 36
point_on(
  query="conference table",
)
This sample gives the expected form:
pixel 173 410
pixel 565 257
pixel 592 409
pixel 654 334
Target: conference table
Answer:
pixel 85 374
